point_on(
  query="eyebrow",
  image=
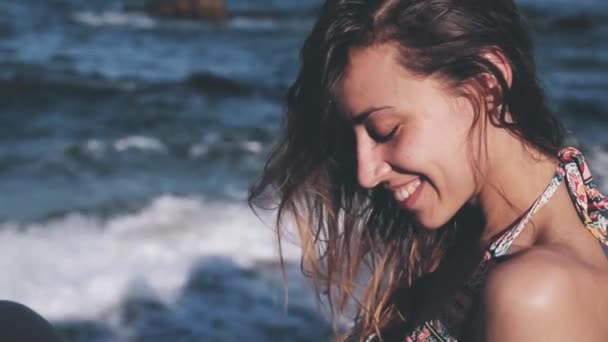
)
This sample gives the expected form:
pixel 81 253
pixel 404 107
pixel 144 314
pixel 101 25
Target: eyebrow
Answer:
pixel 361 117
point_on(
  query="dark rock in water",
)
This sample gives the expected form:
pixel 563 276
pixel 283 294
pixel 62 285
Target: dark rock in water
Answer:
pixel 577 23
pixel 20 323
pixel 187 9
pixel 137 309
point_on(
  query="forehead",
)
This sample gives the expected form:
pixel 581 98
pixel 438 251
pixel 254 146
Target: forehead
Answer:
pixel 374 78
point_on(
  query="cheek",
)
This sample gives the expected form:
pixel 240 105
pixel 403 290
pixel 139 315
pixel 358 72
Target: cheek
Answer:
pixel 445 154
pixel 450 187
pixel 457 184
pixel 438 147
pixel 422 148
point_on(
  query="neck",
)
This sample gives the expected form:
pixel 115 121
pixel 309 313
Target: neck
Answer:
pixel 514 178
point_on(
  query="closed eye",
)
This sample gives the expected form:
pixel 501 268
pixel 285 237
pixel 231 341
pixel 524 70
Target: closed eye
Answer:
pixel 380 138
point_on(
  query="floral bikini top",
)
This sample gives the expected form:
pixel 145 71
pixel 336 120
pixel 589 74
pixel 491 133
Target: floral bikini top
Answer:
pixel 592 208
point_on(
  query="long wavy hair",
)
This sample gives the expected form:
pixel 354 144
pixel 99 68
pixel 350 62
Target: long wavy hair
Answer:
pixel 358 246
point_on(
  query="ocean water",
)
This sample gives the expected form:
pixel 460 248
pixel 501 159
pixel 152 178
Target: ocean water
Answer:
pixel 127 145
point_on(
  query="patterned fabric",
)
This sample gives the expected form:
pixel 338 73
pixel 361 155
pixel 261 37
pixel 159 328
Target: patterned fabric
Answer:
pixel 591 205
pixel 592 208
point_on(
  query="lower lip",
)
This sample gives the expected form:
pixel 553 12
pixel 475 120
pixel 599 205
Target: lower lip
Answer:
pixel 411 201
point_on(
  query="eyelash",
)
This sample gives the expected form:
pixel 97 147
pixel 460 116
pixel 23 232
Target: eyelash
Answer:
pixel 383 138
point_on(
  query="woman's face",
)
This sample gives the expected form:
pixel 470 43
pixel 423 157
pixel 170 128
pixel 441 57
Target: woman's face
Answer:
pixel 412 135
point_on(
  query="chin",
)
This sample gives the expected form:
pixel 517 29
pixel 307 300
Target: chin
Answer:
pixel 431 222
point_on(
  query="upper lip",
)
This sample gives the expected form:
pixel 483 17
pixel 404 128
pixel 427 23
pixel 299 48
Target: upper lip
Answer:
pixel 396 187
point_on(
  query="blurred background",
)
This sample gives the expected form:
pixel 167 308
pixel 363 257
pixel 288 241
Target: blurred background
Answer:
pixel 130 131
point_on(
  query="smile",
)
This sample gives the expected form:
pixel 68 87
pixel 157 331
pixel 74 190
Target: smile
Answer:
pixel 403 193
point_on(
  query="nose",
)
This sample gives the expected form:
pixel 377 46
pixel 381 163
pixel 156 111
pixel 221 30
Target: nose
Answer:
pixel 371 167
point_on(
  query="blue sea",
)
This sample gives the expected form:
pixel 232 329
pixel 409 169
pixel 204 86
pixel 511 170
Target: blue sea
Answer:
pixel 128 143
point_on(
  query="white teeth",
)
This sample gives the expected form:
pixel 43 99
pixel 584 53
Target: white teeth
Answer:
pixel 401 194
pixel 404 193
pixel 413 186
pixel 397 196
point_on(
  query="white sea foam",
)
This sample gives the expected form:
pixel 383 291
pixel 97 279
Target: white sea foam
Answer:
pixel 253 146
pixel 254 23
pixel 199 150
pixel 139 142
pixel 98 147
pixel 112 18
pixel 95 146
pixel 82 267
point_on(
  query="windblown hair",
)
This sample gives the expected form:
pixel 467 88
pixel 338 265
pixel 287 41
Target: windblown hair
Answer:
pixel 358 246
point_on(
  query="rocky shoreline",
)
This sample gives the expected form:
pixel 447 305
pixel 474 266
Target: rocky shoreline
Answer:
pixel 214 10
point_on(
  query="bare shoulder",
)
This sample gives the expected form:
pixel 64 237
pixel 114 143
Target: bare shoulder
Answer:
pixel 538 271
pixel 546 295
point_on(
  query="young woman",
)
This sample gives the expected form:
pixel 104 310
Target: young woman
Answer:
pixel 429 181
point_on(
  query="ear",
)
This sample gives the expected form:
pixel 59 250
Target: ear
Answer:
pixel 493 91
pixel 496 57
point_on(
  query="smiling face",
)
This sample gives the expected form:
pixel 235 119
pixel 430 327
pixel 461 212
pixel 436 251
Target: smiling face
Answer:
pixel 412 135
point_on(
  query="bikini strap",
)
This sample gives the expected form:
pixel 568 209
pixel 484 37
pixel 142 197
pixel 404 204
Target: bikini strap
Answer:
pixel 591 205
pixel 501 246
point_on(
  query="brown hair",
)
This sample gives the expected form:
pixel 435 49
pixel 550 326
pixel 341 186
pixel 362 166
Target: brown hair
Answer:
pixel 350 234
